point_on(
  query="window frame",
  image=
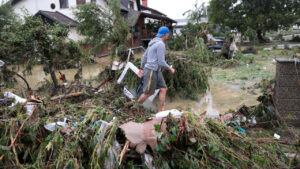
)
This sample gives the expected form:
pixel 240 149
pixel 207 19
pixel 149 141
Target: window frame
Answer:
pixel 80 2
pixel 131 5
pixel 64 4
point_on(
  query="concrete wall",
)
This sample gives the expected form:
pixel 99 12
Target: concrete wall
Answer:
pixel 287 90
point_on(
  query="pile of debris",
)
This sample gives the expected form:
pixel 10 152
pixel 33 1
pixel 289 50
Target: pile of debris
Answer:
pixel 106 130
pixel 85 127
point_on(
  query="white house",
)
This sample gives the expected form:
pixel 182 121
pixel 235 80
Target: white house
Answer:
pixel 62 10
pixel 183 22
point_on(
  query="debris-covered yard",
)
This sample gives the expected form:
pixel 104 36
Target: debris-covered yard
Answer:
pixel 84 127
pixel 63 104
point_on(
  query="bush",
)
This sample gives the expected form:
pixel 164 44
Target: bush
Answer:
pixel 176 43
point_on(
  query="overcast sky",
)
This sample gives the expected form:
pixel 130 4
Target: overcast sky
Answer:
pixel 174 8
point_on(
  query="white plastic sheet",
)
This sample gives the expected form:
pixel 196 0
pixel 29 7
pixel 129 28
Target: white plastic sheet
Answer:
pixel 18 99
pixel 29 105
pixel 174 112
pixel 2 63
pixel 53 126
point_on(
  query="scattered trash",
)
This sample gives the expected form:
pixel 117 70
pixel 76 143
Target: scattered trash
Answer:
pixel 29 105
pixel 267 49
pixel 53 126
pixel 128 93
pixel 226 117
pixel 142 134
pixel 99 91
pixel 277 136
pixel 132 67
pixel 148 161
pixel 235 125
pixel 2 63
pixel 117 65
pixel 128 66
pixel 174 112
pixel 18 99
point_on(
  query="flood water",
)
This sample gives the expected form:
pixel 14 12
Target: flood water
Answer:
pixel 219 99
pixel 37 74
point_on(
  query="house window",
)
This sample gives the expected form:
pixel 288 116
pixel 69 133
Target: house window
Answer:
pixel 64 3
pixel 93 1
pixel 80 2
pixel 131 4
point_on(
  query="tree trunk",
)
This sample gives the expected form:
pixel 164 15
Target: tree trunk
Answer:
pixel 260 36
pixel 52 74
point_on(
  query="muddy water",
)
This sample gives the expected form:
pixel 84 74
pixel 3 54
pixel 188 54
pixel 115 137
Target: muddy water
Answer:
pixel 219 99
pixel 37 75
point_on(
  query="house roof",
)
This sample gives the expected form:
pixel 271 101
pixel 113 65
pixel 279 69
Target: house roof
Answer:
pixel 124 5
pixel 57 17
pixel 155 16
pixel 153 11
pixel 132 17
pixel 13 2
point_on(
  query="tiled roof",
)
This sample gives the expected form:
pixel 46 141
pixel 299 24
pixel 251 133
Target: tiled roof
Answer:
pixel 58 17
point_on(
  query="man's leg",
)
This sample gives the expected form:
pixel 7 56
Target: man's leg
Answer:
pixel 149 84
pixel 162 99
pixel 143 97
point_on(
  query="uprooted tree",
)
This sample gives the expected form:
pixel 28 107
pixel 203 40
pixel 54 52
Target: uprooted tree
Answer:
pixel 35 42
pixel 260 15
pixel 103 27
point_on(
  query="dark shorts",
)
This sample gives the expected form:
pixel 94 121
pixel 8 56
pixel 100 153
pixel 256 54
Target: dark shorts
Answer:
pixel 153 80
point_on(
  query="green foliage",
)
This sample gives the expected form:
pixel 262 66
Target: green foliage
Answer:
pixel 176 43
pixel 260 15
pixel 193 30
pixel 91 23
pixel 200 53
pixel 214 145
pixel 190 79
pixel 103 27
pixel 251 34
pixel 36 42
pixel 7 17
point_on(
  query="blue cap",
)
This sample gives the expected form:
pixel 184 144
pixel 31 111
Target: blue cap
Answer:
pixel 162 31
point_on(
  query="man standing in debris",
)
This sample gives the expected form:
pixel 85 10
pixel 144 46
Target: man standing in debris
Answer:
pixel 153 61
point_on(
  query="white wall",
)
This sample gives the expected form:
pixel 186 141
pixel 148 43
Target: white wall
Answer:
pixel 29 5
pixel 33 6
